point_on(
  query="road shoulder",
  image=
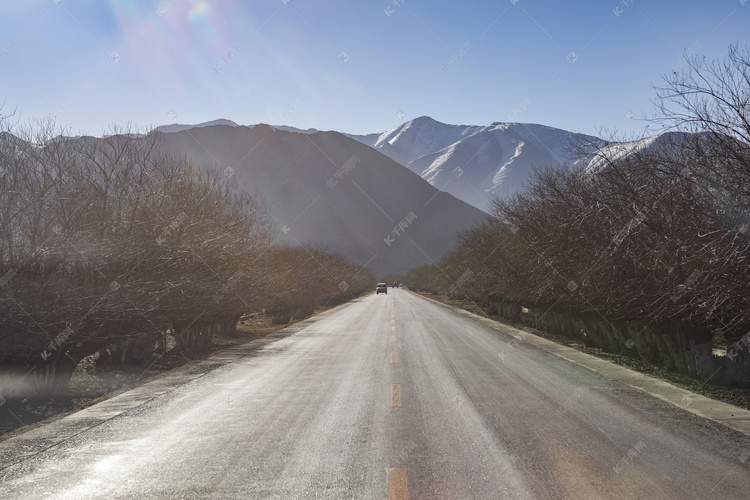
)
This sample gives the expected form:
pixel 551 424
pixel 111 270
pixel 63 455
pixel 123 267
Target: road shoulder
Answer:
pixel 24 444
pixel 730 416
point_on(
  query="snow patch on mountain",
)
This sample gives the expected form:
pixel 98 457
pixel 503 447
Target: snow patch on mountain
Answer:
pixel 504 171
pixel 616 151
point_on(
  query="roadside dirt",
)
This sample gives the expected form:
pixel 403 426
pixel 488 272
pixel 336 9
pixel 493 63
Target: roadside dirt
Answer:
pixel 87 388
pixel 733 395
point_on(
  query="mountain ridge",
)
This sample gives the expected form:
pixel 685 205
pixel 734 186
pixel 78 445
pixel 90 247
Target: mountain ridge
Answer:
pixel 474 163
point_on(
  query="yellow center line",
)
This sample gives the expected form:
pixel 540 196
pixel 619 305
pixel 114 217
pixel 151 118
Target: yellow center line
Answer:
pixel 393 338
pixel 398 484
pixel 393 328
pixel 394 357
pixel 395 395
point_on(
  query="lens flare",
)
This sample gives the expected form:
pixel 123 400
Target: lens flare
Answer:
pixel 198 11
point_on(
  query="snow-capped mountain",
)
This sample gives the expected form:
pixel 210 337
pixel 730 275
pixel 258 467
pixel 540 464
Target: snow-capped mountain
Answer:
pixel 477 163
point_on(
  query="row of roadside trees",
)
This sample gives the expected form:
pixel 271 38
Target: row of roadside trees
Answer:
pixel 107 244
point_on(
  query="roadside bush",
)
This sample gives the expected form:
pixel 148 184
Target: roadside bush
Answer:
pixel 307 278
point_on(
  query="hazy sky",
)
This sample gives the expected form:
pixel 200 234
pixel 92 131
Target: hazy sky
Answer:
pixel 357 66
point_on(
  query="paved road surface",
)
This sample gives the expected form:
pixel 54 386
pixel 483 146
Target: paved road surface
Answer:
pixel 393 396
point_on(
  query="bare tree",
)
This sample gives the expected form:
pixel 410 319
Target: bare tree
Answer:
pixel 711 100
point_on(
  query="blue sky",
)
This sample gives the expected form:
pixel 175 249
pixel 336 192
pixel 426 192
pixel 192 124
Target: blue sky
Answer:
pixel 352 66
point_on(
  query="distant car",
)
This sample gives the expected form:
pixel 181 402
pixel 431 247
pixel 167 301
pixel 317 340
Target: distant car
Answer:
pixel 401 285
pixel 382 287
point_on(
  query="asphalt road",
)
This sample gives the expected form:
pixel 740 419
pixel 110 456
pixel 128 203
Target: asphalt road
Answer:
pixel 392 396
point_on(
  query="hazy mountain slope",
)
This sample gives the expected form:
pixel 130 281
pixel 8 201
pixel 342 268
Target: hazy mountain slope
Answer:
pixel 296 177
pixel 177 127
pixel 476 163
